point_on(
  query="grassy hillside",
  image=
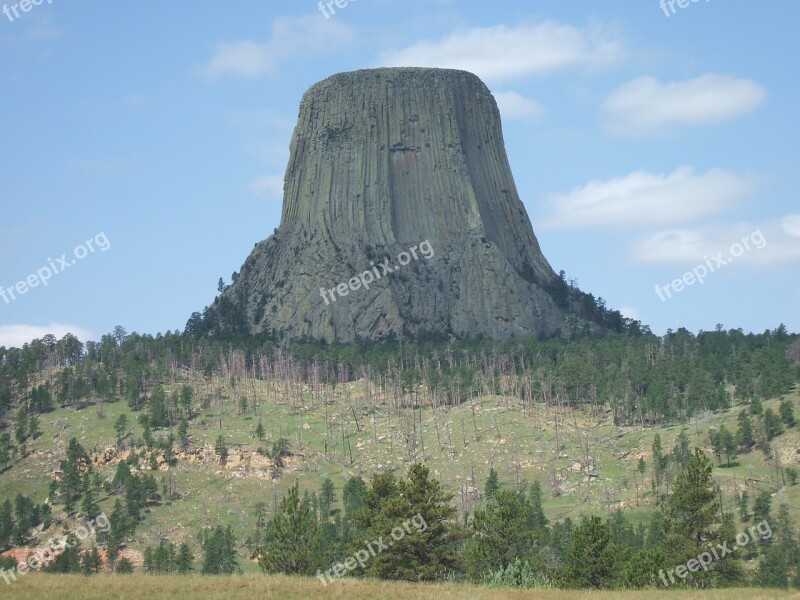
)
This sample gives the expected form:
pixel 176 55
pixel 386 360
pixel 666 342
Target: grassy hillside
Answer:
pixel 585 463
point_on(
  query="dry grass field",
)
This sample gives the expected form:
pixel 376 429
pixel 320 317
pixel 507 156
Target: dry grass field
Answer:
pixel 247 587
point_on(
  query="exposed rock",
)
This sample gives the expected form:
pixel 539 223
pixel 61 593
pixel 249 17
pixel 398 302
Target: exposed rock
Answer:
pixel 381 161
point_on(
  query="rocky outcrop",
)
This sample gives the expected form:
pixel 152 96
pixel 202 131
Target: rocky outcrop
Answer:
pixel 383 160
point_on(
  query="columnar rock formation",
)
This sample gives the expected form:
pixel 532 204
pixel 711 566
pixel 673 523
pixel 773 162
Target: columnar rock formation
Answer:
pixel 382 160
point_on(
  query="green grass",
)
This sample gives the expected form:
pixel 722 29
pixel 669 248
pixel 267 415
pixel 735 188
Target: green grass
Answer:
pixel 521 448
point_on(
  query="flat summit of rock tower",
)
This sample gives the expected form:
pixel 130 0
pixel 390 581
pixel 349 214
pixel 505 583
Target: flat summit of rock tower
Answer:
pixel 393 166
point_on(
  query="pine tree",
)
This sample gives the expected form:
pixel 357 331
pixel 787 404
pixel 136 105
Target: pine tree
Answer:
pixel 327 498
pixel 589 561
pixel 221 450
pixel 291 537
pixel 786 412
pixel 219 552
pixel 501 534
pixel 124 566
pixel 659 460
pixel 91 562
pixel 773 568
pixel 537 521
pixel 492 484
pixel 744 506
pixel 89 506
pixel 682 452
pixel 690 514
pixel 772 425
pixel 6 522
pixel 184 562
pixel 353 496
pixel 744 433
pixel 426 551
pixel 33 427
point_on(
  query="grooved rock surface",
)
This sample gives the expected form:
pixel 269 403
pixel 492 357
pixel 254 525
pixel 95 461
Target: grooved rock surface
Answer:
pixel 382 160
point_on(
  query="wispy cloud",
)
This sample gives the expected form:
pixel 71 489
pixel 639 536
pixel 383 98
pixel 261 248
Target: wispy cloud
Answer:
pixel 642 198
pixel 15 336
pixel 502 53
pixel 291 37
pixel 645 106
pixel 514 106
pixel 270 185
pixel 780 245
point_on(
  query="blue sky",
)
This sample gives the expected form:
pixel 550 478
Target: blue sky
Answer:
pixel 642 145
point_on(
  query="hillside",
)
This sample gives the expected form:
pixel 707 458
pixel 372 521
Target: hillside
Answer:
pixel 583 454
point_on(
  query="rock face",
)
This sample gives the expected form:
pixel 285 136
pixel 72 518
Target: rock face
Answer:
pixel 383 160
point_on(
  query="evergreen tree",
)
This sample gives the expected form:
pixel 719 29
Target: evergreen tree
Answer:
pixel 786 412
pixel 762 507
pixel 424 552
pixel 91 562
pixel 690 514
pixel 89 506
pixel 21 425
pixel 501 534
pixel 772 425
pixel 221 450
pixel 69 561
pixel 327 498
pixel 659 460
pixel 353 496
pixel 729 445
pixel 219 552
pixel 33 427
pixel 682 452
pixel 71 482
pixel 641 569
pixel 537 521
pixel 124 566
pixel 6 523
pixel 773 568
pixel 121 429
pixel 184 563
pixel 183 433
pixel 744 433
pixel 5 450
pixel 744 506
pixel 291 538
pixel 589 561
pixel 492 484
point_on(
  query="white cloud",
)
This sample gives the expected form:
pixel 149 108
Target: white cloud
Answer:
pixel 272 185
pixel 514 106
pixel 631 313
pixel 15 336
pixel 767 244
pixel 642 198
pixel 502 53
pixel 791 225
pixel 645 106
pixel 291 37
